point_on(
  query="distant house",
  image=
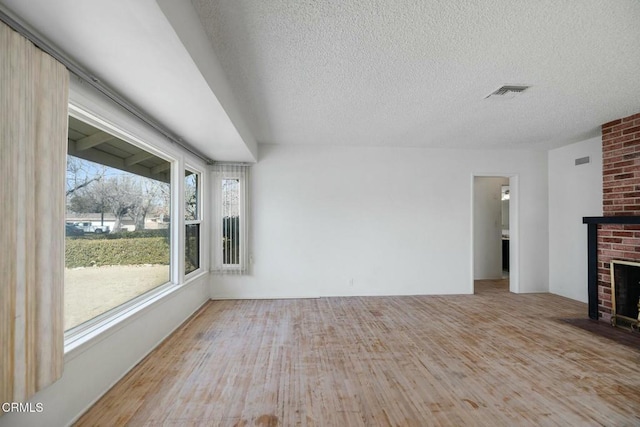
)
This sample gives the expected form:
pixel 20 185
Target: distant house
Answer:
pixel 109 220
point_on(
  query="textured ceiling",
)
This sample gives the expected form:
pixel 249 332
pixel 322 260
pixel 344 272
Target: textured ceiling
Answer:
pixel 416 72
pixel 225 73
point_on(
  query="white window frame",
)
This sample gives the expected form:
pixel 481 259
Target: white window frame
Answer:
pixel 241 173
pixel 81 333
pixel 90 106
pixel 200 212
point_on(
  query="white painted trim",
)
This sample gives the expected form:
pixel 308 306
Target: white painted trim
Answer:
pixel 177 222
pixel 514 233
pixel 272 297
pixel 472 252
pixel 199 221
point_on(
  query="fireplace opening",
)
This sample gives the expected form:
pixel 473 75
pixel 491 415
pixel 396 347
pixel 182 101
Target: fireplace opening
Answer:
pixel 625 294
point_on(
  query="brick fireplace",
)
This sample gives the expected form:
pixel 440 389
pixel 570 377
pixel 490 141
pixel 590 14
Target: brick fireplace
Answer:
pixel 617 234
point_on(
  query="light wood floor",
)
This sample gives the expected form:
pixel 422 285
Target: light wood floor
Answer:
pixel 493 358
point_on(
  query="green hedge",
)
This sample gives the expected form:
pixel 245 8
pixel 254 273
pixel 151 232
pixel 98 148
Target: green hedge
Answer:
pixel 130 251
pixel 164 232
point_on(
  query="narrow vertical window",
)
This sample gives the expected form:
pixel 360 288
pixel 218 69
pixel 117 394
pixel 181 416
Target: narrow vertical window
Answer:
pixel 193 218
pixel 231 226
pixel 231 221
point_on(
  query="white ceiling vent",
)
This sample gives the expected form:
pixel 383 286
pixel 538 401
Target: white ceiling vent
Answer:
pixel 507 92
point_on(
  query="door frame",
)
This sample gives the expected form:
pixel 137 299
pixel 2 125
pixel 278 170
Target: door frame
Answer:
pixel 514 228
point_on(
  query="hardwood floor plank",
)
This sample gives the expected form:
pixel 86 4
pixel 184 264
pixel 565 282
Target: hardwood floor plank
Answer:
pixel 492 358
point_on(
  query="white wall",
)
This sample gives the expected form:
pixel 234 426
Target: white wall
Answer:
pixel 574 192
pixel 377 221
pixel 487 227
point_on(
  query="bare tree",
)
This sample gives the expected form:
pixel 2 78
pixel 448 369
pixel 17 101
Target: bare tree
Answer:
pixel 80 175
pixel 120 195
pixel 91 190
pixel 148 198
pixel 191 196
pixel 84 200
pixel 164 201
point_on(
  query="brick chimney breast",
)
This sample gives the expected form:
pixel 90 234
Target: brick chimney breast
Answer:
pixel 621 197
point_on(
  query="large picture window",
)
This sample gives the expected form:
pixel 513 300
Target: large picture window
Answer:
pixel 118 211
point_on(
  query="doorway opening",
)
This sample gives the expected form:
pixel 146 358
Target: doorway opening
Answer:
pixel 494 235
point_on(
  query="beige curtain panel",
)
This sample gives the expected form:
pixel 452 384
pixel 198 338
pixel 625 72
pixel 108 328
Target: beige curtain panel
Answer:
pixel 34 91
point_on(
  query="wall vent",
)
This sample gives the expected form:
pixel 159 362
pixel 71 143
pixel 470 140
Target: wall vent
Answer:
pixel 507 91
pixel 583 160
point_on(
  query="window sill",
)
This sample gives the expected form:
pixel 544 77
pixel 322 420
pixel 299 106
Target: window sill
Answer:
pixel 195 275
pixel 230 270
pixel 86 336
